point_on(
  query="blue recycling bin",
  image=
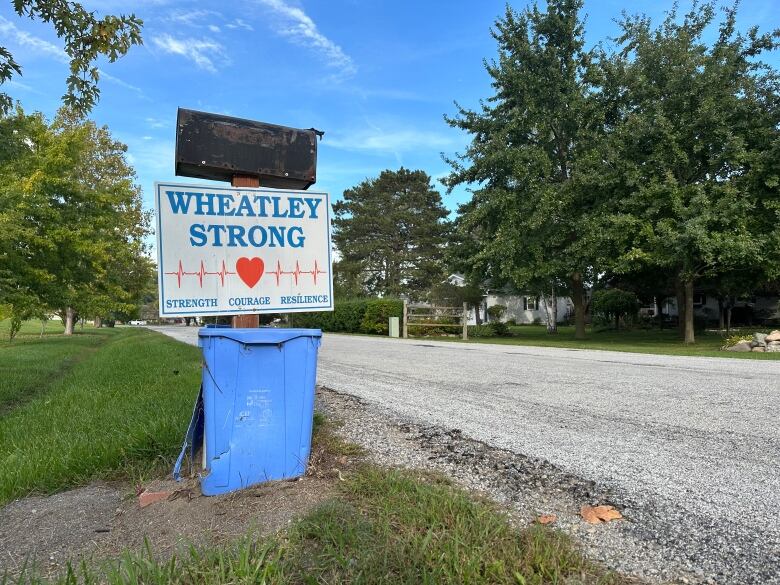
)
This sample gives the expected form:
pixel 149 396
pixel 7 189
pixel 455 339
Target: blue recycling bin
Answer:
pixel 254 414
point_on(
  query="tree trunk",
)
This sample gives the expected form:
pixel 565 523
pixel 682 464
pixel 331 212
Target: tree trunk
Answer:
pixel 551 310
pixel 680 294
pixel 70 314
pixel 477 316
pixel 98 322
pixel 659 313
pixel 578 298
pixel 728 320
pixel 721 315
pixel 690 338
pixel 617 321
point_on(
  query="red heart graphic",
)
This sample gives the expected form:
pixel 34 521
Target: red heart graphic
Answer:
pixel 250 270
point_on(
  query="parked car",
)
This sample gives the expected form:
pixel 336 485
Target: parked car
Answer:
pixel 137 322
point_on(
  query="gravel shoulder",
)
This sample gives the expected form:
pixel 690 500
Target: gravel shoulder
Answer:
pixel 688 448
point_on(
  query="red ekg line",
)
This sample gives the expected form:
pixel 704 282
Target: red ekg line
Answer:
pixel 297 272
pixel 201 273
pixel 277 273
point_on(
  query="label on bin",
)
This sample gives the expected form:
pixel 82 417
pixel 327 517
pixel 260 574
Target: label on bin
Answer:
pixel 224 250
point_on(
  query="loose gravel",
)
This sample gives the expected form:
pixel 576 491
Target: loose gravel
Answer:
pixel 687 448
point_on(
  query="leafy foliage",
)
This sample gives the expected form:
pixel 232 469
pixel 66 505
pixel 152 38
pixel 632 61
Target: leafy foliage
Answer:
pixel 528 221
pixel 613 304
pixel 391 232
pixel 72 224
pixel 354 316
pixel 496 312
pixel 686 168
pixel 86 38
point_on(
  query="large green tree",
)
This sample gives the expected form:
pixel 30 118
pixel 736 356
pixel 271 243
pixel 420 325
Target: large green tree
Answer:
pixel 72 225
pixel 390 233
pixel 86 37
pixel 528 220
pixel 695 191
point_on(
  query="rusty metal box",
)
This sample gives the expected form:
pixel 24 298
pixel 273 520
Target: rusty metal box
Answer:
pixel 216 147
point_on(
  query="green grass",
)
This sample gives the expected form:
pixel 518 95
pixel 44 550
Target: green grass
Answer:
pixel 120 410
pixel 32 329
pixel 386 526
pixel 664 342
pixel 31 364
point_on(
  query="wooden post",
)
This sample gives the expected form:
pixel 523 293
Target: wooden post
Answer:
pixel 406 321
pixel 245 321
pixel 465 320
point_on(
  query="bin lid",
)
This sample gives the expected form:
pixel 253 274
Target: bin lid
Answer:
pixel 259 335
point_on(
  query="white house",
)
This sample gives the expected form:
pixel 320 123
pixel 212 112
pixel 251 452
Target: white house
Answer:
pixel 524 309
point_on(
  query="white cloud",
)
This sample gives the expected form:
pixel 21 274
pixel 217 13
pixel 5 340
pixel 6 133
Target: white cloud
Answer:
pixel 238 23
pixel 41 46
pixel 392 141
pixel 157 123
pixel 121 82
pixel 36 44
pixel 203 52
pixel 214 28
pixel 301 29
pixel 191 17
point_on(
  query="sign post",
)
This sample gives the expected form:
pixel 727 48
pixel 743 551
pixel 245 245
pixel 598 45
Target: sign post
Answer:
pixel 245 321
pixel 242 251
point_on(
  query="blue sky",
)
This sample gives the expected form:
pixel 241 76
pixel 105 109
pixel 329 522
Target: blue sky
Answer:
pixel 377 77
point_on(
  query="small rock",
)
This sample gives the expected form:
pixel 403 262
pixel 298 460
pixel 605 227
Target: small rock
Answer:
pixel 759 339
pixel 758 349
pixel 773 346
pixel 774 336
pixel 742 346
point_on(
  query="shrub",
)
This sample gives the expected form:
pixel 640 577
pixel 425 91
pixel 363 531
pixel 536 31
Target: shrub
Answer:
pixel 378 312
pixel 481 331
pixel 496 312
pixel 612 304
pixel 735 339
pixel 499 329
pixel 494 329
pixel 353 316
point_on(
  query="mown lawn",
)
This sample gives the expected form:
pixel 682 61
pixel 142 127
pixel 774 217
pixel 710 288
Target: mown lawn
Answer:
pixel 31 363
pixel 642 341
pixel 103 403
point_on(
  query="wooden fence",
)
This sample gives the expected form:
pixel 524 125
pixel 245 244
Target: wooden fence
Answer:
pixel 426 316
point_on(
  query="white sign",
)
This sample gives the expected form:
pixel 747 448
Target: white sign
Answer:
pixel 242 251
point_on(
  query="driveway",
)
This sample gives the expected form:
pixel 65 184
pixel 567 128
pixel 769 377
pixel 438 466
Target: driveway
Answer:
pixel 691 442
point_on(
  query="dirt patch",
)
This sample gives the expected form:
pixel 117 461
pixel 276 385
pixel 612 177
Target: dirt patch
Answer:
pixel 100 521
pixel 48 530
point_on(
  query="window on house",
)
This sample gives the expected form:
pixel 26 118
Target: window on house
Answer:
pixel 699 300
pixel 530 304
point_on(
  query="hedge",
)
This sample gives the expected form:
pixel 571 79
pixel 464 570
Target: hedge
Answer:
pixel 354 316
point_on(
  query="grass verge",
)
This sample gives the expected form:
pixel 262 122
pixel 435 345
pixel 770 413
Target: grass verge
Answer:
pixel 386 526
pixel 31 364
pixel 119 411
pixel 665 342
pixel 122 409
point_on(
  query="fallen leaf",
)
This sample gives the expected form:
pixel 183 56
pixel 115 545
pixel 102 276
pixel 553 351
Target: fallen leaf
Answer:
pixel 608 513
pixel 599 514
pixel 546 519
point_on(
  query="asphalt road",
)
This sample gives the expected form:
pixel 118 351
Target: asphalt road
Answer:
pixel 693 440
